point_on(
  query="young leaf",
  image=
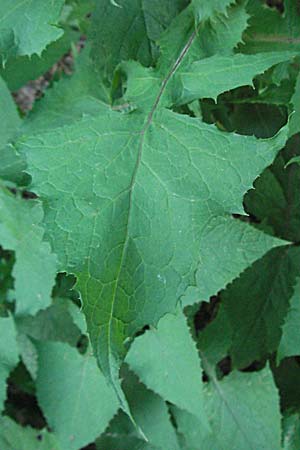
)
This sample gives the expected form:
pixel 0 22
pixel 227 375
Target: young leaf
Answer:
pixel 166 360
pixel 73 394
pixel 35 267
pixel 9 353
pixel 16 437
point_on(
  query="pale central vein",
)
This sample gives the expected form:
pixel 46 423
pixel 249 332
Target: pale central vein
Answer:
pixel 171 72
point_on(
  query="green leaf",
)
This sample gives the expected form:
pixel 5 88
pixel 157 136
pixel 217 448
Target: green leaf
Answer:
pixel 9 353
pixel 16 437
pixel 165 358
pixel 243 411
pixel 221 73
pixel 35 267
pixel 290 339
pixel 223 33
pixel 33 23
pixel 257 302
pixel 73 394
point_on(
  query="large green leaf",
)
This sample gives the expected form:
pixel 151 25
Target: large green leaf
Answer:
pixel 30 24
pixel 141 193
pixel 9 353
pixel 243 410
pixel 73 394
pixel 35 267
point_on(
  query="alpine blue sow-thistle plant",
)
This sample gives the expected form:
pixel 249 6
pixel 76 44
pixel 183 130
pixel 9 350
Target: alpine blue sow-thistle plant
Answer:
pixel 149 224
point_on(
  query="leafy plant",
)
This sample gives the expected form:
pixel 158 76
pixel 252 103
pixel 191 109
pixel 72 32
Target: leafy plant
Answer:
pixel 150 259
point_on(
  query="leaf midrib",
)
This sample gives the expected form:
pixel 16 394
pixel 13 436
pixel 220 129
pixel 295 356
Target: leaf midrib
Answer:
pixel 143 131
